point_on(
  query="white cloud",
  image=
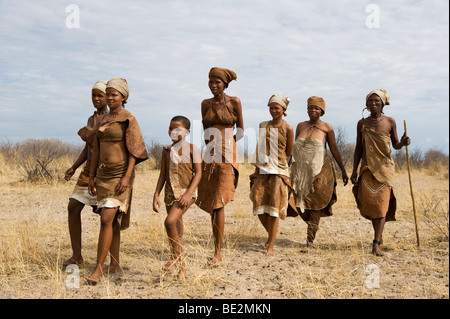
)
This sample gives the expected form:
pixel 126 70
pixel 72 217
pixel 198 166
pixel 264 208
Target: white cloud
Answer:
pixel 166 48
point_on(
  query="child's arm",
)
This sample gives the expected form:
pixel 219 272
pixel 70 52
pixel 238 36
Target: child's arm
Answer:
pixel 197 163
pixel 331 139
pixel 161 181
pixel 80 160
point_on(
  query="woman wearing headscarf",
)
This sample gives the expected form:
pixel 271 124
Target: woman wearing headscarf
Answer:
pixel 80 195
pixel 312 172
pixel 220 169
pixel 374 188
pixel 270 184
pixel 118 147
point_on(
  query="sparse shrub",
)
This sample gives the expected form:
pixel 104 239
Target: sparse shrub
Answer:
pixel 345 149
pixel 37 158
pixel 154 150
pixel 436 162
pixel 435 212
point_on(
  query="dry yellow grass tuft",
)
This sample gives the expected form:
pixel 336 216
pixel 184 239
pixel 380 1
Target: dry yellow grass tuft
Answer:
pixel 34 241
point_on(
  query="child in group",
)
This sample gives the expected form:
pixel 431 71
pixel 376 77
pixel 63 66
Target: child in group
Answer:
pixel 180 173
pixel 270 184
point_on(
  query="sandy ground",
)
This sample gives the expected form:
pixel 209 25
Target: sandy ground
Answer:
pixel 35 241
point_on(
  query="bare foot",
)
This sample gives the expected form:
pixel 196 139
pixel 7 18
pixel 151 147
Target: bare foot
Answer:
pixel 112 269
pixel 215 261
pixel 270 251
pixel 73 260
pixel 93 279
pixel 377 251
pixel 182 274
pixel 309 244
pixel 376 248
pixel 170 265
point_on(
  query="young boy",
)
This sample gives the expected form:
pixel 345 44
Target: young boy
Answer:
pixel 180 173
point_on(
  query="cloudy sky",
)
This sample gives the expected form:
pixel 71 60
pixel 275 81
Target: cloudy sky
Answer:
pixel 339 50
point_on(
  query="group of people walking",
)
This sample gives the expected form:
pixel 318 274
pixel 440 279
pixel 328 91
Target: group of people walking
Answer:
pixel 294 175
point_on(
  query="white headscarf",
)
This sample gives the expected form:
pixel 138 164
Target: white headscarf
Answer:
pixel 100 85
pixel 281 100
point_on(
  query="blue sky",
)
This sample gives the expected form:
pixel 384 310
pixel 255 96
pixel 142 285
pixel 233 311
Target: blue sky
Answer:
pixel 165 49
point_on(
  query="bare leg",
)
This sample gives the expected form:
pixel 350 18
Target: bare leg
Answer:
pixel 114 265
pixel 313 227
pixel 174 229
pixel 378 226
pixel 272 230
pixel 74 220
pixel 170 265
pixel 263 218
pixel 104 242
pixel 218 225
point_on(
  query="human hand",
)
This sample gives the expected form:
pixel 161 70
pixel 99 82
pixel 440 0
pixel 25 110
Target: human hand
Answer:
pixel 344 177
pixel 123 185
pixel 91 186
pixel 184 200
pixel 69 173
pixel 156 203
pixel 405 140
pixel 354 178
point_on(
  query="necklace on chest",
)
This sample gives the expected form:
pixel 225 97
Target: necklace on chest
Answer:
pixel 374 120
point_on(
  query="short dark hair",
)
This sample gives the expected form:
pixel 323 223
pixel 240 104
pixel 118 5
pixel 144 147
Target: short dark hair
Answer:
pixel 182 119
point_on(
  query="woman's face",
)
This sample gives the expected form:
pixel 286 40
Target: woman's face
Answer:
pixel 98 98
pixel 276 110
pixel 216 85
pixel 314 112
pixel 114 98
pixel 374 104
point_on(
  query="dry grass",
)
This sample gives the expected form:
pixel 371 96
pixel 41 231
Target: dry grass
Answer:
pixel 34 241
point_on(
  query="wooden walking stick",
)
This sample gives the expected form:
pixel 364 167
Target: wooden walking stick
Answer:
pixel 411 188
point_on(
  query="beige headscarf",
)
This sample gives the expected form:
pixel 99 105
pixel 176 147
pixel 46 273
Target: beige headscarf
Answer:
pixel 100 85
pixel 120 85
pixel 224 74
pixel 317 101
pixel 382 94
pixel 283 101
